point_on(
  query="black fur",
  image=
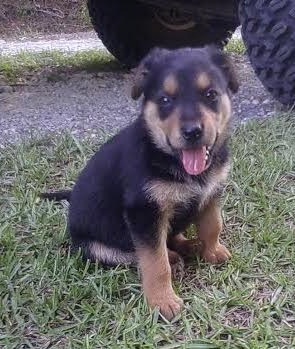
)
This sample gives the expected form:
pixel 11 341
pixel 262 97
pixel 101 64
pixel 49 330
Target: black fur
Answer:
pixel 108 203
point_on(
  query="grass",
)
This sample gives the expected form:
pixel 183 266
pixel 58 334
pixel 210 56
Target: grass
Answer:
pixel 51 299
pixel 50 64
pixel 25 66
pixel 236 46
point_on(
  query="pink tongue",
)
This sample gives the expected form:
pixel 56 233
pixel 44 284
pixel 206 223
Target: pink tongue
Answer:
pixel 194 160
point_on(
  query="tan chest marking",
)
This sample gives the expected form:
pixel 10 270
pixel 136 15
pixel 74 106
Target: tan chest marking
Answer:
pixel 168 194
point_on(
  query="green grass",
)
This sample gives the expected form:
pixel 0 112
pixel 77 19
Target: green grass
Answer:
pixel 236 46
pixel 50 299
pixel 50 64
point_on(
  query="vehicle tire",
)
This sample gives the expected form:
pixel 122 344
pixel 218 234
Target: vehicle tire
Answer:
pixel 129 29
pixel 268 28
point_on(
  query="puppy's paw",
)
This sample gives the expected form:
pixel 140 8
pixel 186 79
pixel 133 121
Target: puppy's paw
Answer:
pixel 216 254
pixel 188 248
pixel 174 257
pixel 168 303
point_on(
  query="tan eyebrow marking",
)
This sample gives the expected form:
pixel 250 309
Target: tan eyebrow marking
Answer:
pixel 170 85
pixel 203 81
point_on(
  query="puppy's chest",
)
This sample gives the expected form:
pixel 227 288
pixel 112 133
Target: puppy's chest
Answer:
pixel 171 195
pixel 168 194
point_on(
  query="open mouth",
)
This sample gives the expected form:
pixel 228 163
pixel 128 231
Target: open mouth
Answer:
pixel 196 161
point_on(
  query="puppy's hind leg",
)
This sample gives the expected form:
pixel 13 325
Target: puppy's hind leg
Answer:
pixel 97 251
pixel 187 248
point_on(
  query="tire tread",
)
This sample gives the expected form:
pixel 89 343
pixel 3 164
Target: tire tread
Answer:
pixel 267 28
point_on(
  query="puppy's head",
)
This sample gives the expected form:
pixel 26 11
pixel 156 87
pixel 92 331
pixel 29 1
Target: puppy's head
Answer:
pixel 187 104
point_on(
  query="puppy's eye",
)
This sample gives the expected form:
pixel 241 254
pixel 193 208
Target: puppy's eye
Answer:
pixel 211 95
pixel 165 101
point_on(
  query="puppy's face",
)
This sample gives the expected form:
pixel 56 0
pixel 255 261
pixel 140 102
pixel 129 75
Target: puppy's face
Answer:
pixel 187 104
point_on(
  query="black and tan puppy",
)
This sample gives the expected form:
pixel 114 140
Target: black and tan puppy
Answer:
pixel 165 171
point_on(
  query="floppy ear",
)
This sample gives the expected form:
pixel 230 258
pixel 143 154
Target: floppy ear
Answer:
pixel 142 72
pixel 226 65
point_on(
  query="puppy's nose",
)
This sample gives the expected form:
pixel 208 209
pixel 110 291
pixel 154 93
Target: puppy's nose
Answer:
pixel 192 133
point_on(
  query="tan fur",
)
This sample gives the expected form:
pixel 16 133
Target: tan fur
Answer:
pixel 160 130
pixel 171 128
pixel 169 194
pixel 172 193
pixel 220 120
pixel 110 255
pixel 209 225
pixel 170 85
pixel 225 113
pixel 156 273
pixel 180 244
pixel 216 123
pixel 155 126
pixel 209 122
pixel 223 119
pixel 203 81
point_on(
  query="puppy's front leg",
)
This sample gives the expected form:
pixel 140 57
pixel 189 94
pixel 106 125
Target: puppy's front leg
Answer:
pixel 156 280
pixel 151 248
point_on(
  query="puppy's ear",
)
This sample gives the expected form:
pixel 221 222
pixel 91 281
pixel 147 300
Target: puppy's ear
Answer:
pixel 143 70
pixel 226 65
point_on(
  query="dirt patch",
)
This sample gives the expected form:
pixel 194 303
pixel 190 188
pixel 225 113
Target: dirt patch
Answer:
pixel 38 17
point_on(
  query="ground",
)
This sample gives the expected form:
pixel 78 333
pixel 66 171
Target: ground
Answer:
pixel 37 17
pixel 87 102
pixel 51 299
pixel 53 83
pixel 56 108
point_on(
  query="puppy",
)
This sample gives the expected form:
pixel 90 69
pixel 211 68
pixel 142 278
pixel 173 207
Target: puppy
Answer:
pixel 165 171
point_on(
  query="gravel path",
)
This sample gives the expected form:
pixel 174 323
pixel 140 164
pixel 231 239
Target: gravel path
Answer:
pixel 82 41
pixel 85 104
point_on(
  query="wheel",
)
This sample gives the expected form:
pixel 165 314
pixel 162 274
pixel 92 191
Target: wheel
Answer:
pixel 129 29
pixel 268 28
